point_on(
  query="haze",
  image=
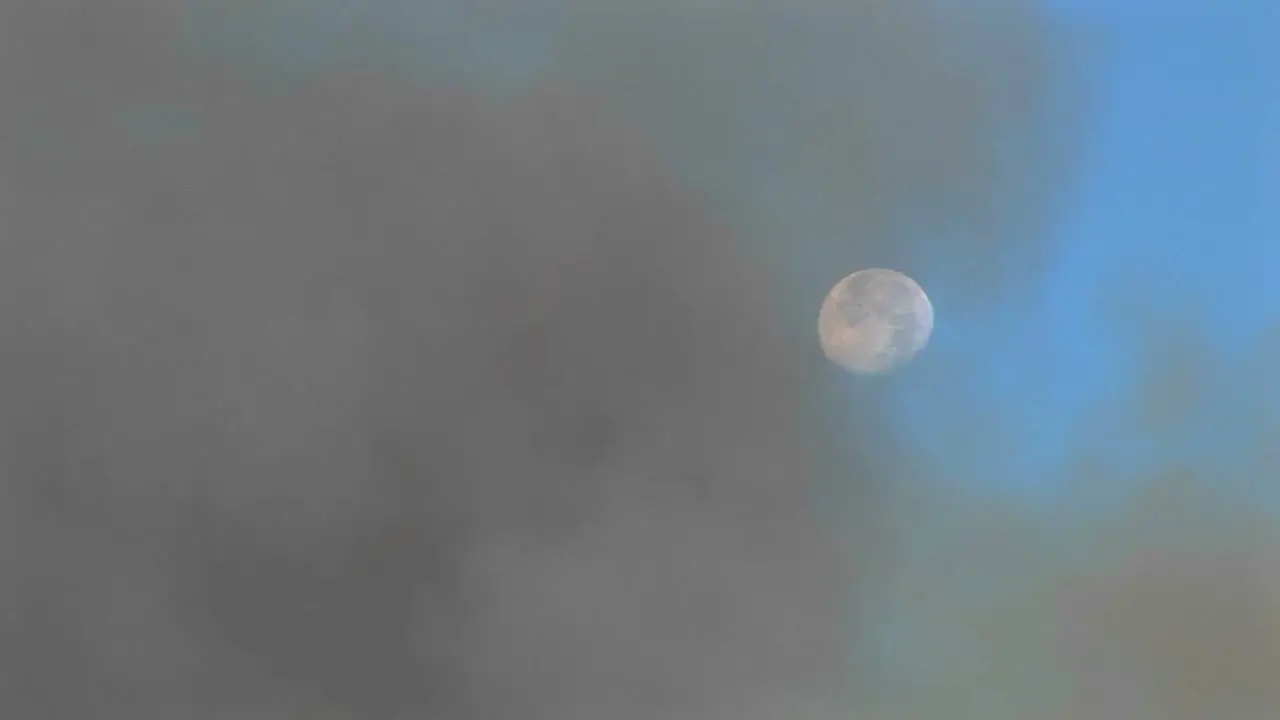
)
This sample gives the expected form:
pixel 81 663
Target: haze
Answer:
pixel 427 361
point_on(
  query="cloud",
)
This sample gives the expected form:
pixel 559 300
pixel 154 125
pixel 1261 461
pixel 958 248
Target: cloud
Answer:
pixel 339 391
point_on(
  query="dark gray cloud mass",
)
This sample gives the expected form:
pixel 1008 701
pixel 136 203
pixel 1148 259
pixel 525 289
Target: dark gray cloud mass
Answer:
pixel 345 396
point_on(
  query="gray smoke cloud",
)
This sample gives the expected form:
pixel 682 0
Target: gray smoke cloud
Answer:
pixel 336 393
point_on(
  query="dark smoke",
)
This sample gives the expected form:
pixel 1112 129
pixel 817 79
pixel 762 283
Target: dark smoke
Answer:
pixel 339 394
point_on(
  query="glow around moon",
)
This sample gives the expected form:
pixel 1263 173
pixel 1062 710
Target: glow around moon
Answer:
pixel 874 321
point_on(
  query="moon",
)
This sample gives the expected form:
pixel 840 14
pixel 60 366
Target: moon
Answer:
pixel 874 321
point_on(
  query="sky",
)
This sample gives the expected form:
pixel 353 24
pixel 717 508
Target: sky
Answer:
pixel 1162 279
pixel 644 459
pixel 1120 330
pixel 1167 226
pixel 1160 224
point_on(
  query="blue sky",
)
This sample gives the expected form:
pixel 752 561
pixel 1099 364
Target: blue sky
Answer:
pixel 1168 233
pixel 1166 248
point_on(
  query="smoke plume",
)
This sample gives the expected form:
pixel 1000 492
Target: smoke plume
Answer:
pixel 357 390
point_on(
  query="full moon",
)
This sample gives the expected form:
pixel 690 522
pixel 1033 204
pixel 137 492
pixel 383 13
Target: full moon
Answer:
pixel 874 321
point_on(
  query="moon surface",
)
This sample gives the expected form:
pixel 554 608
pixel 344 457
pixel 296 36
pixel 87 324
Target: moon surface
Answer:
pixel 874 321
